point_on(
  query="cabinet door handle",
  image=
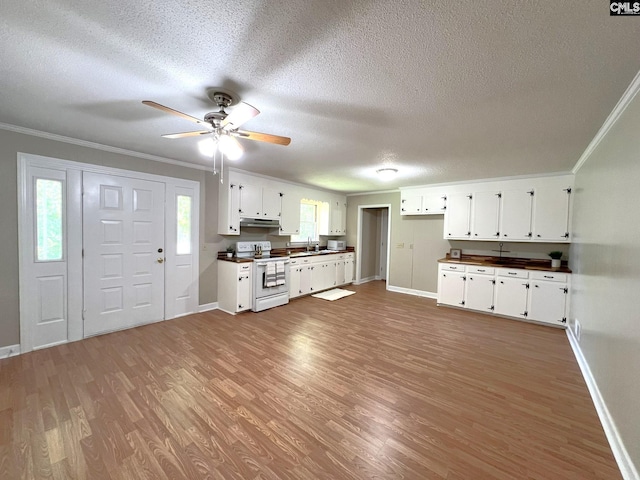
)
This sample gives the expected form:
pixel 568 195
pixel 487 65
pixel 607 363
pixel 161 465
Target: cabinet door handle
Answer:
pixel 512 273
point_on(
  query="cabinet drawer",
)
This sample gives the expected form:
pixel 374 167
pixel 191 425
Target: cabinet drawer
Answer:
pixel 512 273
pixel 452 267
pixel 482 270
pixel 244 267
pixel 549 276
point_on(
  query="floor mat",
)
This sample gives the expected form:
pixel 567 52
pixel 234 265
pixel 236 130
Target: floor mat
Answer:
pixel 335 294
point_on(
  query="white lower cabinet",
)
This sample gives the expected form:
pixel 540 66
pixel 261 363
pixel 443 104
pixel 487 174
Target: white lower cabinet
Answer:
pixel 548 294
pixel 531 295
pixel 479 289
pixel 235 286
pixel 511 297
pixel 451 279
pixel 317 273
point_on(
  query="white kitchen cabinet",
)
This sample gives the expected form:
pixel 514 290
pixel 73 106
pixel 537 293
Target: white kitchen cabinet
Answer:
pixel 259 202
pixel 338 216
pixel 515 216
pixel 290 212
pixel 511 292
pixel 551 214
pixel 229 211
pixel 451 285
pixel 340 270
pixel 458 216
pixel 410 202
pixel 235 286
pixel 417 202
pixel 548 294
pixel 349 268
pixel 479 289
pixel 485 215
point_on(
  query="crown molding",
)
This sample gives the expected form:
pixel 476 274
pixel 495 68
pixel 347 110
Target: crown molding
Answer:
pixel 98 146
pixel 377 192
pixel 617 111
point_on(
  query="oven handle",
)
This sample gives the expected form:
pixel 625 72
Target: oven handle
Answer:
pixel 260 264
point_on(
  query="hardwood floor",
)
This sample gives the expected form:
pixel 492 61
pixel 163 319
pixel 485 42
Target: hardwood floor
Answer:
pixel 375 385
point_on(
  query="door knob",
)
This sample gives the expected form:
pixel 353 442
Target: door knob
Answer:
pixel 160 260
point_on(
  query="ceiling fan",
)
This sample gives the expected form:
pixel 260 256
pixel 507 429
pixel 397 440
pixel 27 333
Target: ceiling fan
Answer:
pixel 222 126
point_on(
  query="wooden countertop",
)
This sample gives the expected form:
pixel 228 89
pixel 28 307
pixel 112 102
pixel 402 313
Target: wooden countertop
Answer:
pixel 507 262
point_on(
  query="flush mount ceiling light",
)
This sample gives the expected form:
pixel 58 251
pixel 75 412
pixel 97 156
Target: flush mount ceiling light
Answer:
pixel 387 173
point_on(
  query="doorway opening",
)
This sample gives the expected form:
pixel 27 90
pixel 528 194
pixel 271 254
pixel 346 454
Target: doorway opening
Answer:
pixel 374 235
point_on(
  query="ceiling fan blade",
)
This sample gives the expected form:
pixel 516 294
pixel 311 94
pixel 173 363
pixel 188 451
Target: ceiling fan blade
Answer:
pixel 263 137
pixel 186 134
pixel 176 112
pixel 240 114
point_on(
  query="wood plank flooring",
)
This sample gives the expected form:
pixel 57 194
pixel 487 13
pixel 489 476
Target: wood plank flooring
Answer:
pixel 376 385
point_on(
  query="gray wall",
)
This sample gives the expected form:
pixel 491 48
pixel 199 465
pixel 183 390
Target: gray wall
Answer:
pixel 606 261
pixel 416 243
pixel 11 143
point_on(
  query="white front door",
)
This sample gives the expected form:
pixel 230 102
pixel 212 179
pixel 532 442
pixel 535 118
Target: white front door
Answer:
pixel 123 243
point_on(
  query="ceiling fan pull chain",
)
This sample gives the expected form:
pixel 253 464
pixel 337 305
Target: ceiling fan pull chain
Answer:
pixel 221 167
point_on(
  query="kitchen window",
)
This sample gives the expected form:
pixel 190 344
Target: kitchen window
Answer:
pixel 308 222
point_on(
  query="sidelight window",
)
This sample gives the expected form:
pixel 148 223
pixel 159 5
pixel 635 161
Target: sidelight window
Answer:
pixel 183 209
pixel 49 220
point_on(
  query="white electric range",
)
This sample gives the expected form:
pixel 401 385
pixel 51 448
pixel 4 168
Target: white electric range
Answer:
pixel 270 275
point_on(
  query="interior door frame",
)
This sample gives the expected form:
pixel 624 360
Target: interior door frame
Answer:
pixel 74 242
pixel 359 239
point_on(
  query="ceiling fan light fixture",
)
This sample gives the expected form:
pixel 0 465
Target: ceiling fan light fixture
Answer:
pixel 230 147
pixel 207 147
pixel 387 173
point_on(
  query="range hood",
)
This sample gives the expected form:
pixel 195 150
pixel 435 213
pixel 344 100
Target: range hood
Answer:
pixel 259 222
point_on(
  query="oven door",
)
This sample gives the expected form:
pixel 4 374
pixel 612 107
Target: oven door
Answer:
pixel 261 289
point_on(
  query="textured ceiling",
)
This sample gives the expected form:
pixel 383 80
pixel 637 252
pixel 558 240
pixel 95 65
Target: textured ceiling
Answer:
pixel 444 91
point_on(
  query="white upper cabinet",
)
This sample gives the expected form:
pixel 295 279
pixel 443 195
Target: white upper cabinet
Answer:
pixel 257 201
pixel 515 218
pixel 410 203
pixel 229 209
pixel 534 209
pixel 419 202
pixel 551 213
pixel 458 217
pixel 250 200
pixel 485 215
pixel 290 212
pixel 338 217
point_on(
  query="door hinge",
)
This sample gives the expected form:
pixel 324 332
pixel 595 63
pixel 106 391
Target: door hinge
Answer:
pixel 530 234
pixel 470 197
pixel 566 235
pixel 527 285
pixel 282 194
pixel 462 303
pixel 492 308
pixel 464 278
pixel 531 192
pixel 525 314
pixel 565 290
pixel 231 185
pixel 568 190
pixel 564 320
pixel 493 282
pixel 499 195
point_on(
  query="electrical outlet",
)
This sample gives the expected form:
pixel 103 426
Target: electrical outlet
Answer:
pixel 577 329
pixel 400 245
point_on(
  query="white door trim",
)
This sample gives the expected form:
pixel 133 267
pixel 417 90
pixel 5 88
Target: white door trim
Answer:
pixel 359 240
pixel 74 234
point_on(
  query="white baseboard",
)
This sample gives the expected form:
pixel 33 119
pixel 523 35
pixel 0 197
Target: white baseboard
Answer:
pixel 208 306
pixel 364 280
pixel 627 468
pixel 9 351
pixel 411 291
